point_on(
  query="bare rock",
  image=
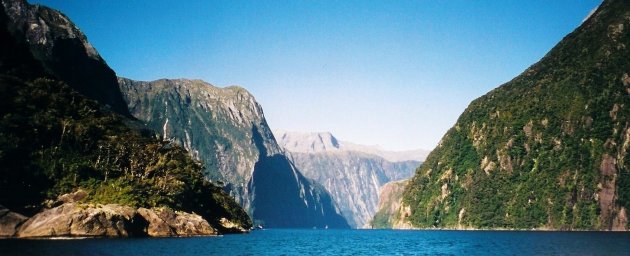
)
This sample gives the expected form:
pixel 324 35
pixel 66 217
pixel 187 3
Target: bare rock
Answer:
pixel 72 219
pixel 231 227
pixel 9 222
pixel 390 201
pixel 620 222
pixel 73 197
pixel 165 222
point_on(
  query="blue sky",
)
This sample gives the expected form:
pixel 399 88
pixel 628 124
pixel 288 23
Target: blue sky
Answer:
pixel 389 73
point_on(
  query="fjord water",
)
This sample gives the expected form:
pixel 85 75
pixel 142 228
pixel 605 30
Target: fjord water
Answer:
pixel 340 242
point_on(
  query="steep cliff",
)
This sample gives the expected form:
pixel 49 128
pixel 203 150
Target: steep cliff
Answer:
pixel 63 51
pixel 225 128
pixel 546 150
pixel 390 199
pixel 352 177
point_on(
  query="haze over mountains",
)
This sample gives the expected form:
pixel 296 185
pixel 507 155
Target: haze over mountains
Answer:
pixel 316 142
pixel 353 174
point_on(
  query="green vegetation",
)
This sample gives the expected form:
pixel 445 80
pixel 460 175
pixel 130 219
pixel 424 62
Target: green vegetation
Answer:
pixel 532 153
pixel 54 141
pixel 381 220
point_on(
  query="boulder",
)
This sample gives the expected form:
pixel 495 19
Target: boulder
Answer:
pixel 9 222
pixel 72 197
pixel 164 222
pixel 84 220
pixel 231 227
pixel 75 197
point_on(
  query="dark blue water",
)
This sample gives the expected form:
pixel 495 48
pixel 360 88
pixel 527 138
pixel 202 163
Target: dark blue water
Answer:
pixel 340 242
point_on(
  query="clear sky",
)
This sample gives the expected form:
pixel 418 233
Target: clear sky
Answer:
pixel 389 73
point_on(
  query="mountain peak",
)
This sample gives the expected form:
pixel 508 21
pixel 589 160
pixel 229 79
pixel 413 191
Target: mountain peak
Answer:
pixel 62 50
pixel 320 142
pixel 307 142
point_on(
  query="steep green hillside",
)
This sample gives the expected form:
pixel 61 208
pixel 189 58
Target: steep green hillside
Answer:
pixel 54 141
pixel 545 150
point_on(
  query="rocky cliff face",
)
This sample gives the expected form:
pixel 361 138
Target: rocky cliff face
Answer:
pixel 546 150
pixel 63 51
pixel 390 200
pixel 352 177
pixel 216 125
pixel 225 128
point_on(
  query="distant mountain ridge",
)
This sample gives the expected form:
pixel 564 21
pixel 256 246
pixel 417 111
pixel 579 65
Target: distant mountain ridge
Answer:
pixel 316 142
pixel 353 177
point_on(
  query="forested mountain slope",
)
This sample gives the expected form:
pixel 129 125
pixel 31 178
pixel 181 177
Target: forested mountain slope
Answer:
pixel 546 150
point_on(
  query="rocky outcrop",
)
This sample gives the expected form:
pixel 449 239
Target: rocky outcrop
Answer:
pixel 111 220
pixel 225 128
pixel 74 219
pixel 63 51
pixel 165 222
pixel 9 222
pixel 231 227
pixel 352 177
pixel 69 218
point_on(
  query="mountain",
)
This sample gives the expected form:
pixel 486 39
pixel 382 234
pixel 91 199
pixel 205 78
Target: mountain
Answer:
pixel 63 51
pixel 392 156
pixel 315 142
pixel 65 156
pixel 546 150
pixel 352 174
pixel 225 128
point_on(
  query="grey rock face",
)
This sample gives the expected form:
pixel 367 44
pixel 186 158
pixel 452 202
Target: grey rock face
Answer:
pixel 390 200
pixel 74 219
pixel 168 223
pixel 9 222
pixel 214 124
pixel 353 178
pixel 111 220
pixel 225 129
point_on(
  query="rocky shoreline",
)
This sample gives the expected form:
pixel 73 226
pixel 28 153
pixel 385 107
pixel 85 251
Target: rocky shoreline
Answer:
pixel 70 218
